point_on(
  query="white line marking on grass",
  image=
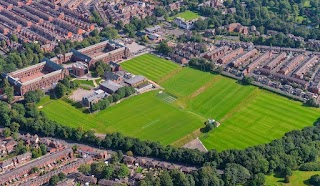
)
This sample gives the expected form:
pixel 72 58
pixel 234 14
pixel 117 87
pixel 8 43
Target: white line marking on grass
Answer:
pixel 151 123
pixel 170 99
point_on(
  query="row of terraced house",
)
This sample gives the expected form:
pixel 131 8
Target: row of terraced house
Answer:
pixel 43 21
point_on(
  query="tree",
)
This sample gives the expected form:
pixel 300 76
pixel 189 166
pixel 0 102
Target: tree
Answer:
pixel 209 126
pixel 43 149
pixel 121 92
pixel 100 67
pixel 14 38
pixel 74 148
pixel 123 171
pixel 119 25
pixel 108 172
pixel 98 169
pixel 6 132
pixel 257 180
pixel 14 127
pixel 3 44
pixel 9 91
pixel 33 96
pixel 315 179
pixel 287 179
pixel 94 33
pixel 54 180
pixel 78 134
pixel 178 178
pixel 21 148
pixel 129 153
pixel 61 176
pixel 129 91
pixel 116 97
pixel 165 179
pixel 163 48
pixel 206 175
pixel 85 169
pixel 60 90
pixel 235 174
pixel 287 172
pixel 34 170
pixel 201 24
pixel 159 11
pixel 109 33
pixel 36 152
pixel 96 18
pixel 246 80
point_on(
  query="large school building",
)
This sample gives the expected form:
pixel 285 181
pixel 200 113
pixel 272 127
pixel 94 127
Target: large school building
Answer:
pixel 46 74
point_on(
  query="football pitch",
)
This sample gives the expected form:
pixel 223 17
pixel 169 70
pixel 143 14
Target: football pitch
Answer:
pixel 146 116
pixel 248 115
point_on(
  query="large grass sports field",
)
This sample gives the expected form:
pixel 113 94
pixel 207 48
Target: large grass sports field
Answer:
pixel 146 116
pixel 146 64
pixel 187 15
pixel 248 115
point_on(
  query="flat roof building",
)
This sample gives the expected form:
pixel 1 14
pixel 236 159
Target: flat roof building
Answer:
pixel 135 81
pixel 110 87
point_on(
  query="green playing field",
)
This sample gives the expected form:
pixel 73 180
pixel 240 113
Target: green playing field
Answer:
pixel 248 115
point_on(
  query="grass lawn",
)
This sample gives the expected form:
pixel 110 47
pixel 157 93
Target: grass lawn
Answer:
pixel 144 116
pixel 150 66
pixel 187 15
pixel 85 82
pixel 298 178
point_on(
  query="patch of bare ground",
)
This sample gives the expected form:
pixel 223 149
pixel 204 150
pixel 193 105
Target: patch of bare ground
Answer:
pixel 196 144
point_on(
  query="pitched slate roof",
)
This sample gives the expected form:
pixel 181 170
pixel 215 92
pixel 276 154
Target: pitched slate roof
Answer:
pixel 111 76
